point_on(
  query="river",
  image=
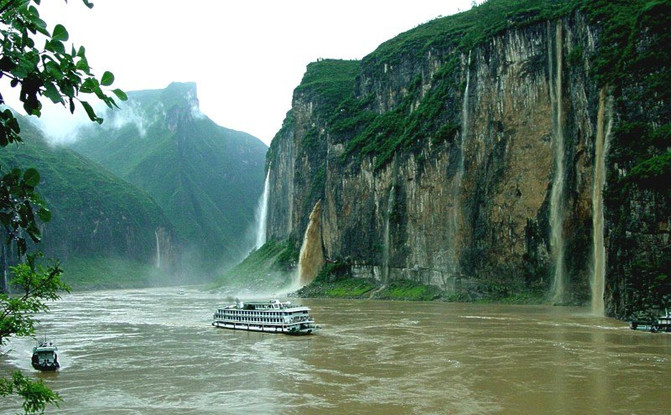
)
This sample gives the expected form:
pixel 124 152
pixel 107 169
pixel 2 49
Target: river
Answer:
pixel 154 351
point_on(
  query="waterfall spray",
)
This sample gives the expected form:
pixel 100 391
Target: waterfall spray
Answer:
pixel 604 124
pixel 387 237
pixel 158 250
pixel 459 176
pixel 311 257
pixel 261 215
pixel 557 195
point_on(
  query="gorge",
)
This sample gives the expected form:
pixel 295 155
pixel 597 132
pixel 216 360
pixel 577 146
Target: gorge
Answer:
pixel 493 154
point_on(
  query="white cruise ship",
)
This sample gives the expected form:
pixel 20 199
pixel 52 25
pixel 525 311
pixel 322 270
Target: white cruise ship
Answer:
pixel 267 316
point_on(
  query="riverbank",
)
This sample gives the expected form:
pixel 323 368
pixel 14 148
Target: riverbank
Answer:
pixel 334 282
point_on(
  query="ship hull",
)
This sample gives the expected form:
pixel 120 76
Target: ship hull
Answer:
pixel 301 329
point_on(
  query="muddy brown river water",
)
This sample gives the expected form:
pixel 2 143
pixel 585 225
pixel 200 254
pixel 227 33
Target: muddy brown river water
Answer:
pixel 154 352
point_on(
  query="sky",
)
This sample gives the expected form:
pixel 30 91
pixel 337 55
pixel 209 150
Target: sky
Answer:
pixel 246 57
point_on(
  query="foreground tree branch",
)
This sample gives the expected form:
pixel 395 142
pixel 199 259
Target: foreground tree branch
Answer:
pixel 59 72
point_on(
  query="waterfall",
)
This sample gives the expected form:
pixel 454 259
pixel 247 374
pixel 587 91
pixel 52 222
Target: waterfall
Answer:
pixel 261 215
pixel 158 250
pixel 387 238
pixel 604 124
pixel 459 176
pixel 5 280
pixel 311 257
pixel 557 195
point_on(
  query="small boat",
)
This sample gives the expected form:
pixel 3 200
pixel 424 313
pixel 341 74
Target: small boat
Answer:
pixel 45 357
pixel 662 323
pixel 271 316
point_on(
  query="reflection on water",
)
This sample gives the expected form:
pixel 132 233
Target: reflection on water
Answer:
pixel 155 352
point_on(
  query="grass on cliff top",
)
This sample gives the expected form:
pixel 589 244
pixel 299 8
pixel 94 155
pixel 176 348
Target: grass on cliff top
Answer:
pixel 331 80
pixel 469 28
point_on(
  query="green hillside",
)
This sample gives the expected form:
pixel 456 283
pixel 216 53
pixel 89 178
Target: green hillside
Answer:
pixel 206 178
pixel 95 215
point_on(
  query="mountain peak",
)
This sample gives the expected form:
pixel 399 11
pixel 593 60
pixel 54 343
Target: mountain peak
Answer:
pixel 178 93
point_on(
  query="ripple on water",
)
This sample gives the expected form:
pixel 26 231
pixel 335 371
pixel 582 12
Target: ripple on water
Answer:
pixel 155 352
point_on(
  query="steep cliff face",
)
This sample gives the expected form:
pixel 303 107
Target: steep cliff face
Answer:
pixel 471 168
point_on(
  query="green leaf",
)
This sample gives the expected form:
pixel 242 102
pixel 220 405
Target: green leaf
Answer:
pixel 89 111
pixel 41 26
pixel 120 94
pixel 52 93
pixel 55 46
pixel 53 69
pixel 107 79
pixel 88 4
pixel 6 64
pixel 83 65
pixel 92 114
pixel 31 177
pixel 60 33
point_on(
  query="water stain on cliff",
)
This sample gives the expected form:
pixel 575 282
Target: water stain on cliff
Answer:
pixel 311 257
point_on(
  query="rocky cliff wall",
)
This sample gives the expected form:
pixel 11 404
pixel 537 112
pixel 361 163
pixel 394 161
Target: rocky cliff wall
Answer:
pixel 491 194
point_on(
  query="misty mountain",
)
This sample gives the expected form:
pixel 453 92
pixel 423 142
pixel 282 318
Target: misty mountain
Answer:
pixel 206 178
pixel 97 218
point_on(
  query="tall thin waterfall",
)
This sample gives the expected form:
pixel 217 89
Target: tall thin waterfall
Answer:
pixel 603 128
pixel 387 237
pixel 557 195
pixel 3 264
pixel 261 215
pixel 158 250
pixel 311 257
pixel 459 177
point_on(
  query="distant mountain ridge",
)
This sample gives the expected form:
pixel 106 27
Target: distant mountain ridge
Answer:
pixel 96 216
pixel 206 178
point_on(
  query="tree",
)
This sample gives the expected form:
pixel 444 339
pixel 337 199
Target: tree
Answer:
pixel 63 77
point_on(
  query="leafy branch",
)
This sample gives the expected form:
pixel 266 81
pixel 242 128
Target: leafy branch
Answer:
pixel 50 72
pixel 63 76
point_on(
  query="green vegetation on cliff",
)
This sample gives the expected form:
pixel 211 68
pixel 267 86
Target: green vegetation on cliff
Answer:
pixel 468 29
pixel 335 281
pixel 329 80
pixel 432 114
pixel 269 269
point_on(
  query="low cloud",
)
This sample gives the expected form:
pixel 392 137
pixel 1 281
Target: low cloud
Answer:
pixel 60 127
